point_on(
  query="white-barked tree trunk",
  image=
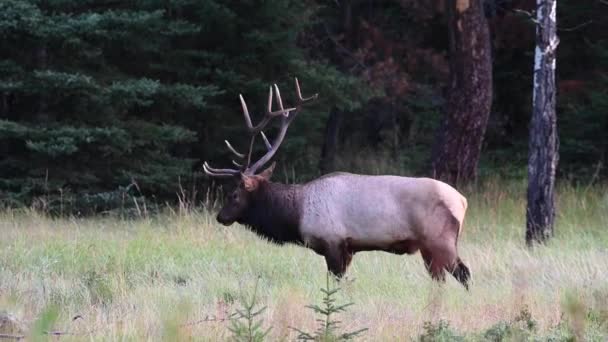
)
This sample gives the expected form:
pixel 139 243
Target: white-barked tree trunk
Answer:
pixel 543 142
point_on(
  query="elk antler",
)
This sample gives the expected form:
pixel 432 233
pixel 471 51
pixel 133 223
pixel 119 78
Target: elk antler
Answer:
pixel 286 119
pixel 287 116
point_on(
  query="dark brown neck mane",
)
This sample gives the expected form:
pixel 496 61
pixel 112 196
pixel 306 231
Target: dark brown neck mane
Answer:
pixel 274 212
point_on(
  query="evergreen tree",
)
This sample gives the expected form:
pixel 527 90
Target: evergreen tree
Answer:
pixel 86 106
pixel 95 96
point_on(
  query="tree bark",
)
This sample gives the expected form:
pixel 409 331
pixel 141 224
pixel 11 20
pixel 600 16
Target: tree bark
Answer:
pixel 543 145
pixel 469 99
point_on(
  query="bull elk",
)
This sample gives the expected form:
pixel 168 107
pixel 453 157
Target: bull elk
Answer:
pixel 340 214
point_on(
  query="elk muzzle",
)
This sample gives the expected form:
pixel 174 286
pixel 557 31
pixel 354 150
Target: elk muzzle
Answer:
pixel 221 218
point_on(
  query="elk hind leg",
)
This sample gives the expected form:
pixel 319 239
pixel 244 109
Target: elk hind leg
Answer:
pixel 434 264
pixel 457 268
pixel 441 254
pixel 461 272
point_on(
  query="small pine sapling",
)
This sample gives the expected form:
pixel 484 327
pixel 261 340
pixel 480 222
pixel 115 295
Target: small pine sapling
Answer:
pixel 328 328
pixel 245 323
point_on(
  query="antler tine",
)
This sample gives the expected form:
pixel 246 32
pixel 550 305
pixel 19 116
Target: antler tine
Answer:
pixel 253 129
pixel 206 165
pixel 252 140
pixel 314 96
pixel 269 113
pixel 279 100
pixel 240 155
pixel 282 110
pixel 266 142
pixel 246 113
pixel 219 172
pixel 269 106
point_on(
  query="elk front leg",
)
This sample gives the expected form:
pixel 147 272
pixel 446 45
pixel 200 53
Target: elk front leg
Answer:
pixel 337 257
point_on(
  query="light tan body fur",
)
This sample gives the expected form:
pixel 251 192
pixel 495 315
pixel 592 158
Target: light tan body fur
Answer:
pixel 350 213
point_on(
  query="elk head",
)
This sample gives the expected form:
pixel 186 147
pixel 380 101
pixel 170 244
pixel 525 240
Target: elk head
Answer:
pixel 248 181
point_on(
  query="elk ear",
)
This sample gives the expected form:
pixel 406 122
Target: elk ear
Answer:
pixel 250 183
pixel 266 174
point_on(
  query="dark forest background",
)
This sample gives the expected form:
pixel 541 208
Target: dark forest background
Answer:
pixel 102 99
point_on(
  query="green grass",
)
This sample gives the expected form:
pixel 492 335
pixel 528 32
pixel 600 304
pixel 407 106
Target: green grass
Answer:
pixel 155 278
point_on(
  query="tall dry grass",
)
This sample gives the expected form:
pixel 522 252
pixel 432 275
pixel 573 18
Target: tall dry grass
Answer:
pixel 179 274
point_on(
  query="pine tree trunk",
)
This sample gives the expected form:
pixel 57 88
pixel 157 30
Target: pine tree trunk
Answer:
pixel 469 100
pixel 543 146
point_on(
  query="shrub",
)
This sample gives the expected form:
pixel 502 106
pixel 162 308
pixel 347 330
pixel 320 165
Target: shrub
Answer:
pixel 439 332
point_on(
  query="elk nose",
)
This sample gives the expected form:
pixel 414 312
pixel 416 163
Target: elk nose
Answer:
pixel 221 220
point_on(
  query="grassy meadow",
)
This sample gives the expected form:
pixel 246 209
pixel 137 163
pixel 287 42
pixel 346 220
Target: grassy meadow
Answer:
pixel 180 275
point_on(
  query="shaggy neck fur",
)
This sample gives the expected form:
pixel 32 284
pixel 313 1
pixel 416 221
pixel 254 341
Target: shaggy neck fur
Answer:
pixel 274 212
